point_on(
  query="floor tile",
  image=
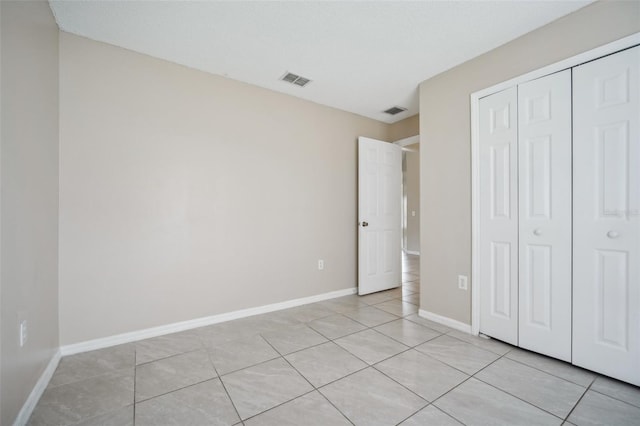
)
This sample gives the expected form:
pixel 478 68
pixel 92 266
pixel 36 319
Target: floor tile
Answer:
pixel 74 402
pixel 325 363
pixel 424 375
pixel 430 416
pixel 553 366
pixel 335 326
pixel 412 298
pixel 344 304
pixel 293 339
pixel 488 344
pixel 461 355
pixel 82 366
pixel 120 417
pixel 219 334
pixel 476 403
pixel 598 409
pixel 165 346
pixel 271 321
pixel 311 409
pixel 370 398
pixel 200 404
pixel 543 390
pixel 379 297
pixel 407 332
pixel 261 387
pixel 412 286
pixel 241 353
pixel 409 276
pixel 428 323
pixel 618 390
pixel 398 307
pixel 169 374
pixel 310 312
pixel 370 316
pixel 371 346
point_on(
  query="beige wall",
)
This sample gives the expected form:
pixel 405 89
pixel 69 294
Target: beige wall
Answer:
pixel 446 141
pixel 29 200
pixel 184 194
pixel 404 128
pixel 412 194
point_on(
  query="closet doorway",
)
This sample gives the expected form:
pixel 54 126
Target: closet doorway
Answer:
pixel 556 202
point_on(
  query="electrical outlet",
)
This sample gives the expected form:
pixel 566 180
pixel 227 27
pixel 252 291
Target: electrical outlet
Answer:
pixel 22 332
pixel 463 282
pixel 320 265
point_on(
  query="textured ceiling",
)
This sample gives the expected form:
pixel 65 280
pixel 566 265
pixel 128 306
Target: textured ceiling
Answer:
pixel 362 56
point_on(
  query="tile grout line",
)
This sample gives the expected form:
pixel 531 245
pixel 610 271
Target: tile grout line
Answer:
pixel 135 375
pixel 547 372
pixel 458 385
pixel 517 397
pixel 219 377
pixel 313 387
pixel 171 356
pixel 611 396
pixel 566 419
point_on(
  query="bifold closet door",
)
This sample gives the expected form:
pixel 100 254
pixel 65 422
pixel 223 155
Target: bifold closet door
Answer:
pixel 606 205
pixel 498 167
pixel 544 238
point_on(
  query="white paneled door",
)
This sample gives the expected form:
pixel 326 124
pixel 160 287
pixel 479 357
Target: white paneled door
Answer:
pixel 498 154
pixel 544 237
pixel 379 215
pixel 606 205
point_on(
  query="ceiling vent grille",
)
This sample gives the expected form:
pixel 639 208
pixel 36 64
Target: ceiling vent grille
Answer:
pixel 295 79
pixel 395 110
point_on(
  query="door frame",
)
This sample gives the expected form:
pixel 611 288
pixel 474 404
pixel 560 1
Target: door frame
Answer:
pixel 404 143
pixel 598 52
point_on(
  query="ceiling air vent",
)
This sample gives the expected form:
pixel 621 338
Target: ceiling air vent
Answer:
pixel 295 79
pixel 395 110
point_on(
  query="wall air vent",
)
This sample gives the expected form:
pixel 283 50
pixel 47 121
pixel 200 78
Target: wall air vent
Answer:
pixel 395 110
pixel 295 79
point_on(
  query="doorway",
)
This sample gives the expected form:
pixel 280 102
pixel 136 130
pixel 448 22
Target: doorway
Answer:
pixel 410 218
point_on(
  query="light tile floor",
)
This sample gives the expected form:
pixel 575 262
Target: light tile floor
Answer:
pixel 367 360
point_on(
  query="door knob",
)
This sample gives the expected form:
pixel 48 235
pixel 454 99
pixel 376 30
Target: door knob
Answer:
pixel 537 231
pixel 365 224
pixel 613 234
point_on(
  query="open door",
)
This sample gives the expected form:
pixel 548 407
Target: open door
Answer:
pixel 379 215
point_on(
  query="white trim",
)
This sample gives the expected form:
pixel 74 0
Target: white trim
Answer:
pixel 475 97
pixel 38 389
pixel 411 140
pixel 133 336
pixel 417 253
pixel 449 322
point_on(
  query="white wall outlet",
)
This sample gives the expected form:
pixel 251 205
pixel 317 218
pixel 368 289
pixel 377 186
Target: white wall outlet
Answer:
pixel 463 282
pixel 22 332
pixel 413 213
pixel 320 265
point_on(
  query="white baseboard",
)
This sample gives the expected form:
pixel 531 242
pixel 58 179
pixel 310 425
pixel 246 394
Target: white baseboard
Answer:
pixel 455 324
pixel 147 333
pixel 416 253
pixel 38 389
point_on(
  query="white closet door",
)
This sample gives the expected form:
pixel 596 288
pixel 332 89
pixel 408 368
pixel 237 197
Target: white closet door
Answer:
pixel 544 182
pixel 499 216
pixel 606 205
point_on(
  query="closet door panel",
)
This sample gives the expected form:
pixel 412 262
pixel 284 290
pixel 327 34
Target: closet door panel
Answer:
pixel 544 137
pixel 499 216
pixel 606 291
